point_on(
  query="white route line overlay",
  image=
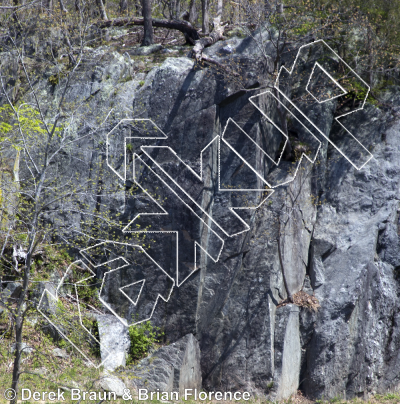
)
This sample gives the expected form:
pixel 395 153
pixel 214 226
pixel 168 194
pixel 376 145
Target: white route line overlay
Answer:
pixel 122 320
pixel 55 299
pixel 200 177
pixel 219 138
pixel 276 86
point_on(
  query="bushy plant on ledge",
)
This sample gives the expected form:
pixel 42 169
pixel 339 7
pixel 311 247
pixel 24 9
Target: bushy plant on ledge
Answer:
pixel 143 337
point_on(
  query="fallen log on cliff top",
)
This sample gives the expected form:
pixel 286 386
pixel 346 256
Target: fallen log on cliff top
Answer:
pixel 191 34
pixel 216 35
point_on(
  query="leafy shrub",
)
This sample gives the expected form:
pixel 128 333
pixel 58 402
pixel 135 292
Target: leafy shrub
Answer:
pixel 54 79
pixel 94 345
pixel 142 336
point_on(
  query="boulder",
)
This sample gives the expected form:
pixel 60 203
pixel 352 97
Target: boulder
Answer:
pixel 44 295
pixel 344 236
pixel 11 291
pixel 111 383
pixel 25 348
pixel 11 287
pixel 60 353
pixel 114 341
pixel 146 50
pixel 287 352
pixel 172 368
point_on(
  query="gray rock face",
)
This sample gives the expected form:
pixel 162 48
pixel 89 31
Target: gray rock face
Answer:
pixel 342 242
pixel 146 50
pixel 44 296
pixel 114 341
pixel 354 349
pixel 172 368
pixel 9 293
pixel 287 351
pixel 10 288
pixel 347 244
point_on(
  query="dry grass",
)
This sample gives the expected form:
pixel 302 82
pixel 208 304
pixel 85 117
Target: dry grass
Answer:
pixel 303 299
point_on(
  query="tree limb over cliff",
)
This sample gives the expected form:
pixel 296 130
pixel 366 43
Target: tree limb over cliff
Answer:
pixel 185 27
pixel 192 36
pixel 216 35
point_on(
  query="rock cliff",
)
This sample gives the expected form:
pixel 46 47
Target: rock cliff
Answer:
pixel 342 243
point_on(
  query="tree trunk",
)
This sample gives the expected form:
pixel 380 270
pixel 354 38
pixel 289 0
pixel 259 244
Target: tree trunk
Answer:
pixel 102 10
pixel 147 24
pixel 219 8
pixel 171 6
pixel 371 57
pixel 205 21
pixel 47 5
pixel 177 8
pixel 20 312
pixel 123 6
pixel 192 12
pixel 62 6
pixel 71 57
pixel 15 4
pixel 17 360
pixel 138 7
pixel 267 8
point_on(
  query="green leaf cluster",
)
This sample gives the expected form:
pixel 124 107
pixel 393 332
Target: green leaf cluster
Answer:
pixel 48 260
pixel 143 336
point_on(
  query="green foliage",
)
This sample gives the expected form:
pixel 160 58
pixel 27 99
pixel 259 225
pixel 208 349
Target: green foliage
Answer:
pixel 47 260
pixel 78 326
pixel 391 396
pixel 88 292
pixel 335 400
pixel 238 32
pixel 45 372
pixel 5 115
pixel 359 91
pixel 95 347
pixel 142 336
pixel 304 28
pixel 23 118
pixel 126 79
pixel 54 79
